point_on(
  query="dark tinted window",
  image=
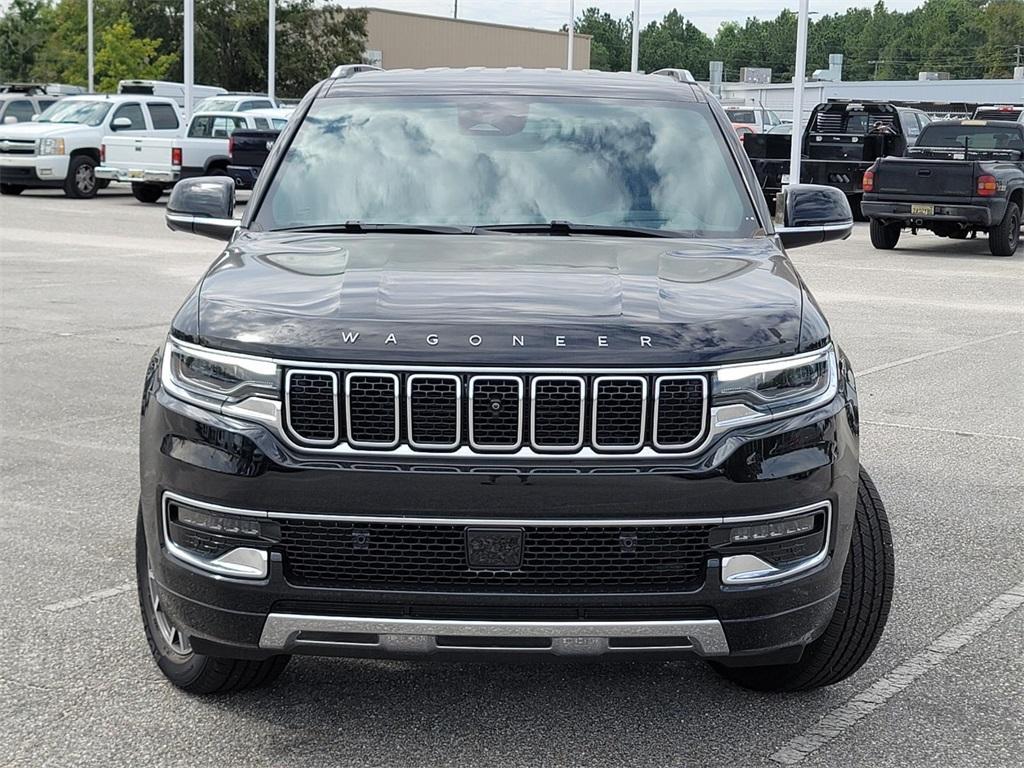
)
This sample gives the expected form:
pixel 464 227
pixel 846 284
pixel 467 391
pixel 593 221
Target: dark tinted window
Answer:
pixel 20 109
pixel 245 106
pixel 741 115
pixel 164 116
pixel 215 127
pixel 260 122
pixel 976 137
pixel 134 113
pixel 44 103
pixel 497 159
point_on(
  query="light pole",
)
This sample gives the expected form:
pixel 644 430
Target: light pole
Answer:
pixel 91 66
pixel 572 24
pixel 187 36
pixel 635 66
pixel 271 47
pixel 796 148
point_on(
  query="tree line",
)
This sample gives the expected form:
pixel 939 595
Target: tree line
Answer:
pixel 967 38
pixel 45 41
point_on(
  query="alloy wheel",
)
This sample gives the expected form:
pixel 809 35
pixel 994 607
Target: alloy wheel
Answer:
pixel 85 179
pixel 170 633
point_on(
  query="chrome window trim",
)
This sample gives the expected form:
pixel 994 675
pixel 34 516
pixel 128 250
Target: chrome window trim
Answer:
pixel 533 414
pixel 409 410
pixel 519 428
pixel 396 389
pixel 643 414
pixel 287 403
pixel 703 414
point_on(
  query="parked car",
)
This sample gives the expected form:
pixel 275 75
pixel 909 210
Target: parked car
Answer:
pixel 483 371
pixel 235 102
pixel 153 164
pixel 785 129
pixel 22 102
pixel 1000 112
pixel 962 177
pixel 171 90
pixel 840 141
pixel 756 119
pixel 62 148
pixel 248 148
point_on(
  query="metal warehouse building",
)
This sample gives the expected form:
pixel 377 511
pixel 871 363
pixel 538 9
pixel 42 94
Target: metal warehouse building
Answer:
pixel 397 40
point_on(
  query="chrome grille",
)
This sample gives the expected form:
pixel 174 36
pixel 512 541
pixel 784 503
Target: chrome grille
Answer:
pixel 17 147
pixel 434 405
pixel 311 406
pixel 495 413
pixel 372 412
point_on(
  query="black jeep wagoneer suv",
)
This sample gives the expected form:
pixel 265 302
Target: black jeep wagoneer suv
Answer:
pixel 506 363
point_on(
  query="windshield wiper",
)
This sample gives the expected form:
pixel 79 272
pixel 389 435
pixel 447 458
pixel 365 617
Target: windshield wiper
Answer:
pixel 357 227
pixel 569 228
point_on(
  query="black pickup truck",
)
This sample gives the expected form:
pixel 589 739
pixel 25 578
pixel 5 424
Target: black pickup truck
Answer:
pixel 248 150
pixel 963 177
pixel 841 140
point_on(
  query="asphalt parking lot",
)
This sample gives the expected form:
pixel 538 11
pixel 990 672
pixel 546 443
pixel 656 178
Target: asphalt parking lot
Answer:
pixel 934 330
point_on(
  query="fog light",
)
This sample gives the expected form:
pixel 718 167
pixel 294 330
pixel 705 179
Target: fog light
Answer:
pixel 223 524
pixel 776 529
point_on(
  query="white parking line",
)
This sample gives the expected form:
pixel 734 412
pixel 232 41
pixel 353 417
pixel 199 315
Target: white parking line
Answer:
pixel 957 432
pixel 92 597
pixel 933 353
pixel 839 720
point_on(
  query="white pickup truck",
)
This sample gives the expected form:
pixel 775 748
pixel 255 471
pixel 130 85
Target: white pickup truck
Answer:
pixel 61 148
pixel 155 164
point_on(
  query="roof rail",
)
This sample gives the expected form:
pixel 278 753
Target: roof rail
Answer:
pixel 681 75
pixel 347 70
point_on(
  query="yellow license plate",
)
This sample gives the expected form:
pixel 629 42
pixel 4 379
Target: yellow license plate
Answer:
pixel 134 174
pixel 922 210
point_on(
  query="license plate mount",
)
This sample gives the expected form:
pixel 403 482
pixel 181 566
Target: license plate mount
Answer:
pixel 494 549
pixel 920 209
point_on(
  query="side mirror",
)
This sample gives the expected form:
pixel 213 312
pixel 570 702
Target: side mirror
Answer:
pixel 120 123
pixel 10 120
pixel 811 214
pixel 203 206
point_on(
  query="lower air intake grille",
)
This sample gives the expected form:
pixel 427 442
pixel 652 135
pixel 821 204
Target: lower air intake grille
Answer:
pixel 311 405
pixel 378 555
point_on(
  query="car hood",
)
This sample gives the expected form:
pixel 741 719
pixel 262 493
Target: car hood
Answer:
pixel 500 299
pixel 26 131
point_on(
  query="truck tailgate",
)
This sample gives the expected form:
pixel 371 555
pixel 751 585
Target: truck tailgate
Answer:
pixel 930 178
pixel 129 152
pixel 250 147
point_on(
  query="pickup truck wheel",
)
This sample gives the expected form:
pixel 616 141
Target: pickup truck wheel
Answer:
pixel 188 670
pixel 81 179
pixel 1004 238
pixel 864 599
pixel 147 193
pixel 11 189
pixel 884 236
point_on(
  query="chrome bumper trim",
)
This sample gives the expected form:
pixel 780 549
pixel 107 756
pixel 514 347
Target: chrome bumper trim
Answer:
pixel 282 631
pixel 121 174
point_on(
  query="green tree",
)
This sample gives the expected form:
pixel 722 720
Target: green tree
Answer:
pixel 24 30
pixel 123 56
pixel 1002 26
pixel 675 42
pixel 610 46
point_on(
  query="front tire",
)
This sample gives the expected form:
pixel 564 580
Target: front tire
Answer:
pixel 884 236
pixel 81 180
pixel 1004 238
pixel 172 651
pixel 147 193
pixel 861 612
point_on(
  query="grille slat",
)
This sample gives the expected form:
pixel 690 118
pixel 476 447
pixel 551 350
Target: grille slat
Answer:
pixel 434 410
pixel 344 554
pixel 311 407
pixel 495 413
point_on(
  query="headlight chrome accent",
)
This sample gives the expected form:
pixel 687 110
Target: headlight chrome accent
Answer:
pixel 51 146
pixel 206 377
pixel 779 387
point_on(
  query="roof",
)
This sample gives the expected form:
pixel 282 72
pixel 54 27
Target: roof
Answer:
pixel 515 80
pixel 117 97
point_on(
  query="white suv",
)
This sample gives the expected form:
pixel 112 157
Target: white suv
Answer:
pixel 62 148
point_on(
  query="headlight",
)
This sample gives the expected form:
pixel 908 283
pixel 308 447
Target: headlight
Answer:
pixel 51 147
pixel 217 376
pixel 779 386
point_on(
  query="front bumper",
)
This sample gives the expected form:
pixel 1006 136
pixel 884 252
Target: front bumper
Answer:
pixel 33 170
pixel 137 175
pixel 979 215
pixel 808 460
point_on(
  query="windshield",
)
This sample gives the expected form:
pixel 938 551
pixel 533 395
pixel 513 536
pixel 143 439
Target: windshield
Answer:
pixel 975 136
pixel 741 115
pixel 80 112
pixel 214 104
pixel 486 160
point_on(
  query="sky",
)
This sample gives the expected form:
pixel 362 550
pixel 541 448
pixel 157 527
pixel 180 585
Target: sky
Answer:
pixel 551 14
